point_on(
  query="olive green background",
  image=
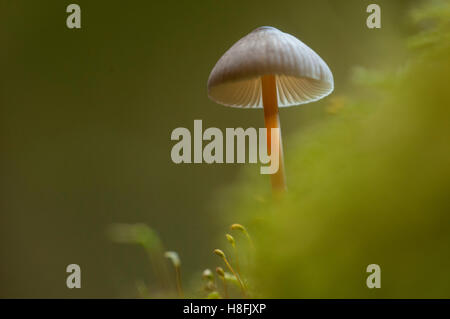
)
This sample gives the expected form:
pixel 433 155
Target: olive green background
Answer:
pixel 86 118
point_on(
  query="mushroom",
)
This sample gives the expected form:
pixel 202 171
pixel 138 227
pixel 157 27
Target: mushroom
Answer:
pixel 269 68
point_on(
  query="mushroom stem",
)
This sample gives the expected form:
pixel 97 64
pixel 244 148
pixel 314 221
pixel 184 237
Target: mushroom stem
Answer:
pixel 272 120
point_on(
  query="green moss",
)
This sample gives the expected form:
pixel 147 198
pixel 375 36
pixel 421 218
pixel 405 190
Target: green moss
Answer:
pixel 369 184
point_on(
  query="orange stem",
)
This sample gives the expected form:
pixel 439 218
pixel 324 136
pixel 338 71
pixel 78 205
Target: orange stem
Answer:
pixel 272 120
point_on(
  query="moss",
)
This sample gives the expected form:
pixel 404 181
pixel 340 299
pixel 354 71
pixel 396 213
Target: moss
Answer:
pixel 369 184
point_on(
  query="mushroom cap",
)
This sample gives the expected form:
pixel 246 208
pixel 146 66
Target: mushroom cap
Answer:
pixel 301 74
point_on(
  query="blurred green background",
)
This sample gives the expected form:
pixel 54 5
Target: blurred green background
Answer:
pixel 86 118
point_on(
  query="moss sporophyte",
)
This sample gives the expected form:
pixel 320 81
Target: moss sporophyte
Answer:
pixel 135 234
